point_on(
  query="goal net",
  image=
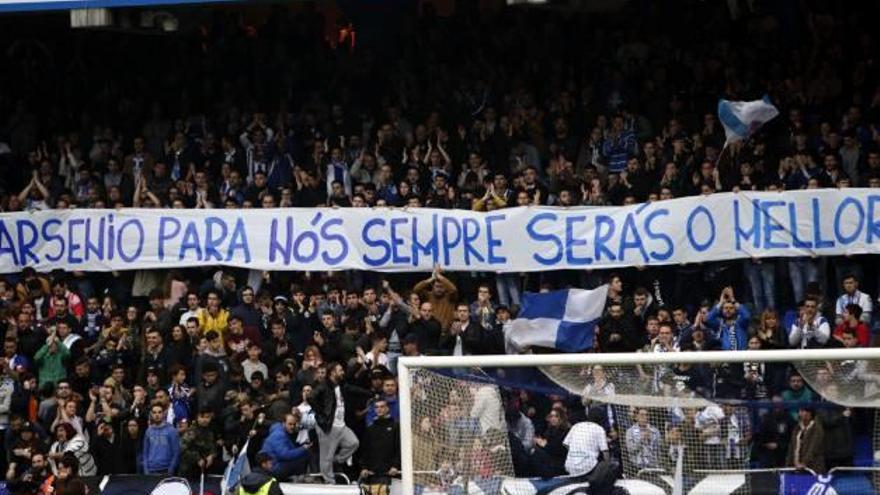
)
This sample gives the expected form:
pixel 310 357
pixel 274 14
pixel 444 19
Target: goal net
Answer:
pixel 675 423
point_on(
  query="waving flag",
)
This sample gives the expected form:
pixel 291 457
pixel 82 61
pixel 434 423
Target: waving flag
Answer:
pixel 742 118
pixel 238 467
pixel 562 319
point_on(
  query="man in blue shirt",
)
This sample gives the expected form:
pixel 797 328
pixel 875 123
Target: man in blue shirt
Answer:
pixel 730 322
pixel 289 458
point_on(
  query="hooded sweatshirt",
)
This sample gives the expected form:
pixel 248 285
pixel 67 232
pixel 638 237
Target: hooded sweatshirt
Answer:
pixel 161 449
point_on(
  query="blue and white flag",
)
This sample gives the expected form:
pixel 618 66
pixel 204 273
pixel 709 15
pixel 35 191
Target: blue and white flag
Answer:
pixel 742 118
pixel 237 468
pixel 564 319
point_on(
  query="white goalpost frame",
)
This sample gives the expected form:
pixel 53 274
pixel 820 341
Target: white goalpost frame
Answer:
pixel 405 364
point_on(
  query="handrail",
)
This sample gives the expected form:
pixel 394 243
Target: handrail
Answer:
pixel 754 470
pixel 854 468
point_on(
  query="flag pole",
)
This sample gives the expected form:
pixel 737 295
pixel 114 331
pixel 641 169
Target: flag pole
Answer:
pixel 721 153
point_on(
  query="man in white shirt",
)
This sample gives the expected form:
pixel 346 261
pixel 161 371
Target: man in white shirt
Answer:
pixel 708 423
pixel 587 445
pixel 811 329
pixel 852 295
pixel 643 442
pixel 487 408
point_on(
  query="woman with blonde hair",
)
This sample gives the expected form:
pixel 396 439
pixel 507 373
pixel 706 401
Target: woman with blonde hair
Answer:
pixel 769 331
pixel 771 335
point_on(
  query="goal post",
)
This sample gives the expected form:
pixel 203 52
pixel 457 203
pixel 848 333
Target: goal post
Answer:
pixel 408 366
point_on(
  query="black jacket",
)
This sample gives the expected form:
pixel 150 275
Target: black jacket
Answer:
pixel 549 461
pixel 323 402
pixel 382 443
pixel 625 328
pixel 130 451
pixel 838 435
pixel 473 339
pixel 108 455
pixel 427 333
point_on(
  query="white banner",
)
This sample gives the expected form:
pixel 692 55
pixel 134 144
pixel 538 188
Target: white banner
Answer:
pixel 687 230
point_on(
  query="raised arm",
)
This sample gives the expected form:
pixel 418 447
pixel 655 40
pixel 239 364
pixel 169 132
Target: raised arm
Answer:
pixel 451 289
pixel 22 196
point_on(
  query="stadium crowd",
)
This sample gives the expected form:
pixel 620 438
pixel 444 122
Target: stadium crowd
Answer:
pixel 172 371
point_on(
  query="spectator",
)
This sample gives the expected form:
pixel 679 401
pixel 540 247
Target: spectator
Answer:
pixel 389 397
pixel 730 322
pixel 382 446
pixel 180 393
pixel 643 442
pixel 837 427
pixel 191 309
pixel 67 480
pixel 811 329
pixel 260 481
pixel 805 449
pixel 107 450
pixel 797 393
pixel 587 448
pixel 30 480
pixel 252 363
pixel 179 348
pixel 288 457
pixel 51 361
pixel 247 311
pixel 442 296
pixel 68 441
pixel 852 321
pixel 464 336
pixel 426 329
pixel 335 439
pixel 161 453
pixel 209 393
pixel 74 302
pixel 213 317
pixel 771 439
pixel 197 446
pixel 852 295
pixel 482 311
pixel 617 332
pixel 131 442
pixel 155 355
pixel 769 331
pixel 550 453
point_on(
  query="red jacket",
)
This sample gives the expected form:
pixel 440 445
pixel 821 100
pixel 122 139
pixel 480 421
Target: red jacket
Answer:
pixel 863 333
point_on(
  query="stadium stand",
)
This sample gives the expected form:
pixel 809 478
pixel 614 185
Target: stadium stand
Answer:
pixel 474 106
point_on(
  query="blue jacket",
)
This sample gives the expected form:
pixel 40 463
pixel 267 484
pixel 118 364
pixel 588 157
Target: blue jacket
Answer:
pixel 723 330
pixel 281 447
pixel 161 449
